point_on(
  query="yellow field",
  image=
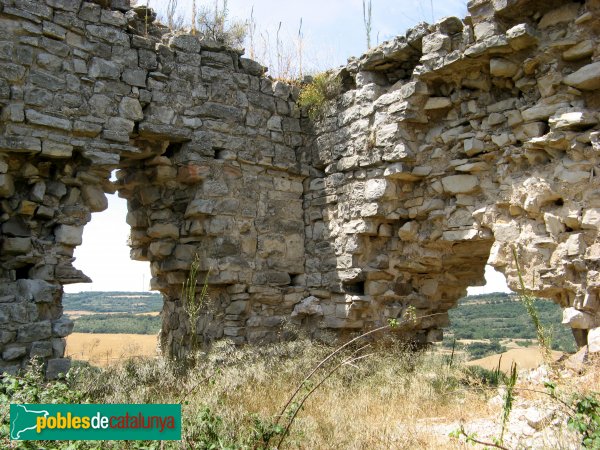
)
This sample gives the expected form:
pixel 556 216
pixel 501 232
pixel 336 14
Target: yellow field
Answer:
pixel 525 358
pixel 107 349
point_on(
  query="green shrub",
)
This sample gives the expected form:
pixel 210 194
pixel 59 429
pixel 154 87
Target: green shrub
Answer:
pixel 586 419
pixel 484 376
pixel 314 95
pixel 478 350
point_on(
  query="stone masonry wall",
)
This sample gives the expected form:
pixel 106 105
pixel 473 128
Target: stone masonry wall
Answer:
pixel 455 143
pixel 206 147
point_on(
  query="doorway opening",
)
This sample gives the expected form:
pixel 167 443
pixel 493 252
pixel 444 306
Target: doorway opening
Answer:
pixel 116 315
pixel 491 326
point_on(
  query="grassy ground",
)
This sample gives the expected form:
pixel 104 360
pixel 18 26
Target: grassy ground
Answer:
pixel 391 398
pixel 231 397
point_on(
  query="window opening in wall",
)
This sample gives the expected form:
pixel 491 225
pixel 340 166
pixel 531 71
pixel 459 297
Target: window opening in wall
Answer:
pixel 22 273
pixel 104 253
pixel 220 153
pixel 118 300
pixel 172 149
pixel 492 322
pixel 354 288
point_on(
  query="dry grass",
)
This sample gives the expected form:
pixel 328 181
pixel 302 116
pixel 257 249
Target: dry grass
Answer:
pixel 393 399
pixel 385 401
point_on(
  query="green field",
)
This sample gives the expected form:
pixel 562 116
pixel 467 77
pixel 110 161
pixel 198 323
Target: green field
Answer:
pixel 497 317
pixel 115 312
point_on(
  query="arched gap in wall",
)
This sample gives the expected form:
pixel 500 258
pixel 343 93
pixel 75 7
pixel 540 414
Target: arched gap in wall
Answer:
pixel 104 256
pixel 492 321
pixel 104 253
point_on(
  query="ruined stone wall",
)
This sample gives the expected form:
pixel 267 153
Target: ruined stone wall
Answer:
pixel 206 151
pixel 457 141
pixel 454 143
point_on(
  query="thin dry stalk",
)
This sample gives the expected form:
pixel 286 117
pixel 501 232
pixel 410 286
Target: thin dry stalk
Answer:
pixel 348 361
pixel 300 49
pixel 171 10
pixel 194 15
pixel 252 33
pixel 322 363
pixel 368 20
pixel 278 45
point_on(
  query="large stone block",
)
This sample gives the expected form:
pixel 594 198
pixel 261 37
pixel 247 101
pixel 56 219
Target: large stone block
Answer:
pixel 16 246
pixel 591 219
pixel 586 78
pixel 522 36
pixel 12 352
pixel 578 319
pixel 460 184
pixel 56 367
pixel 164 231
pixel 130 108
pixel 34 331
pixel 62 327
pixel 566 13
pixel 69 235
pixel 500 67
pixel 583 49
pixel 94 197
pixel 7 187
pixel 377 189
pixel 41 349
pixel 47 120
pixel 593 340
pixel 38 291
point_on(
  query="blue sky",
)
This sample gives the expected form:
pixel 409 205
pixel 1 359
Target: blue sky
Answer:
pixel 333 30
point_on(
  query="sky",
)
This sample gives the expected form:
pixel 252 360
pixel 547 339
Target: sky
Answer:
pixel 332 31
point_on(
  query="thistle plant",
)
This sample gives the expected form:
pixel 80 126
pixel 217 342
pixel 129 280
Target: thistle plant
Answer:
pixel 194 303
pixel 544 334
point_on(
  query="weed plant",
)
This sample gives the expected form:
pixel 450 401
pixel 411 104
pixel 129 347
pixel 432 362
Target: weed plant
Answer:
pixel 231 396
pixel 314 95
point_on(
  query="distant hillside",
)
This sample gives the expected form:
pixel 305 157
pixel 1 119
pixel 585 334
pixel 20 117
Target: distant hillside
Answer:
pixel 488 317
pixel 501 316
pixel 103 302
pixel 117 323
pixel 115 312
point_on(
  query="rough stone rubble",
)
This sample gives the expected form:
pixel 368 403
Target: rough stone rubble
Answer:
pixel 455 143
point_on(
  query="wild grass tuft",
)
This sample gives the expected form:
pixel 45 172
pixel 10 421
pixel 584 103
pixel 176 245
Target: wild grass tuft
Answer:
pixel 315 94
pixel 231 396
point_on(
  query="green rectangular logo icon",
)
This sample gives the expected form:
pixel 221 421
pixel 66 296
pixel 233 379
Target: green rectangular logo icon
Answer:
pixel 95 422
